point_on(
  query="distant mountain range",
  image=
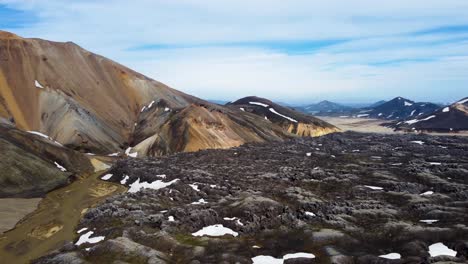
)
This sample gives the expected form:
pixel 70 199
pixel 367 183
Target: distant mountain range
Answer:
pixel 324 107
pixel 452 118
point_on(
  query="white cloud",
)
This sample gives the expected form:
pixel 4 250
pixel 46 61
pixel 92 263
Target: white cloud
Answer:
pixel 344 71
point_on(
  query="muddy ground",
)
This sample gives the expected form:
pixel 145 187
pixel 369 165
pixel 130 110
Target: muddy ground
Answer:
pixel 346 198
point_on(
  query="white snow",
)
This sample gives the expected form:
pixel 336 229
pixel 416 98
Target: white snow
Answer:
pixel 167 109
pixel 446 109
pixel 86 238
pixel 162 176
pixel 133 155
pixel 412 113
pixel 106 177
pixel 266 260
pixel 397 164
pixel 238 221
pixel 380 114
pixel 310 214
pixel 38 85
pixel 408 103
pixel 156 185
pixel 262 259
pixel 60 166
pixel 113 154
pixel 363 115
pixel 427 193
pixel 298 255
pixel 463 101
pixel 151 104
pixel 170 218
pixel 215 230
pixel 439 249
pixel 287 117
pixel 308 154
pixel 391 256
pixel 82 230
pixel 44 136
pixel 201 201
pixel 429 221
pixel 417 142
pixel 142 109
pixel 257 103
pixel 195 187
pixel 435 163
pixel 373 187
pixel 124 180
pixel 413 121
pixel 242 109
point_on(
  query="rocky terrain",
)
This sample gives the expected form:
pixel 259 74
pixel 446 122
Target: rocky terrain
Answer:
pixel 341 198
pixel 452 118
pixel 287 118
pixel 92 104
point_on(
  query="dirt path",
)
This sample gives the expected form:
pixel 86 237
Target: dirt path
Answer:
pixel 55 220
pixel 13 210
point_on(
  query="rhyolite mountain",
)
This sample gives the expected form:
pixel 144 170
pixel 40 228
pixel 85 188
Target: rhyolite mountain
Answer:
pixel 324 107
pixel 93 104
pixel 452 118
pixel 31 165
pixel 288 119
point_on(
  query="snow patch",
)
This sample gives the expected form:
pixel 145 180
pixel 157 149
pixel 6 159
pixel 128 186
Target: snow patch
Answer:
pixel 215 230
pixel 435 163
pixel 287 117
pixel 133 155
pixel 310 214
pixel 429 221
pixel 238 221
pixel 156 185
pixel 391 256
pixel 113 154
pixel 195 187
pixel 439 249
pixel 257 103
pixel 242 109
pixel 60 167
pixel 408 103
pixel 373 187
pixel 262 259
pixel 418 142
pixel 167 109
pixel 412 113
pixel 106 177
pixel 44 136
pixel 308 154
pixel 446 109
pixel 463 101
pixel 82 230
pixel 86 238
pixel 427 193
pixel 38 85
pixel 201 201
pixel 363 115
pixel 171 218
pixel 124 180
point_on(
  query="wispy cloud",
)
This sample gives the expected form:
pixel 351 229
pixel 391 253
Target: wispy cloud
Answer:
pixel 297 50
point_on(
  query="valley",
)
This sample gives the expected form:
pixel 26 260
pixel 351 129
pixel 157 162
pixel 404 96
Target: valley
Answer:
pixel 53 223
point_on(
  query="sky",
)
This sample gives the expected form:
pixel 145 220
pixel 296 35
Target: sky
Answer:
pixel 296 51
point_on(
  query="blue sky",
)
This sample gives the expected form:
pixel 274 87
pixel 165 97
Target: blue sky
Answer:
pixel 297 51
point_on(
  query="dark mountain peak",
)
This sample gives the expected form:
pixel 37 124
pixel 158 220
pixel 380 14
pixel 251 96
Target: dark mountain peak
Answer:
pixel 253 99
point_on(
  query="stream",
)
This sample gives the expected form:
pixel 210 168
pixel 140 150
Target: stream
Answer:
pixel 54 222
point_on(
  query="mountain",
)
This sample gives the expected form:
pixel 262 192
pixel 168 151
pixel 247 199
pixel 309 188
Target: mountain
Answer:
pixel 31 165
pixel 381 102
pixel 324 107
pixel 451 118
pixel 398 108
pixel 92 104
pixel 290 120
